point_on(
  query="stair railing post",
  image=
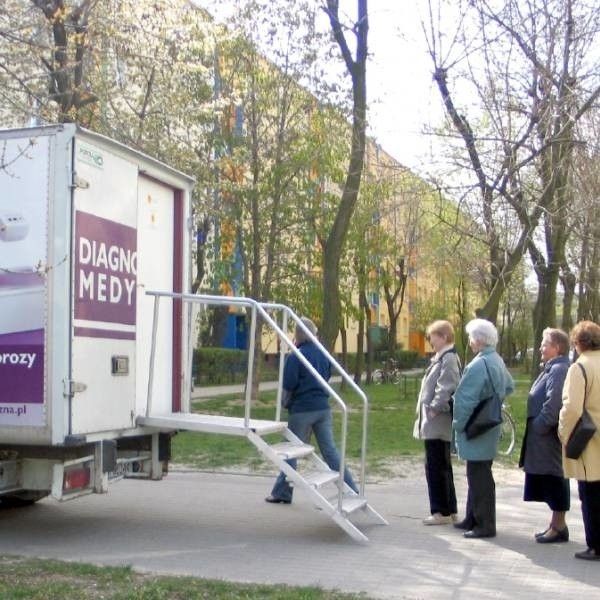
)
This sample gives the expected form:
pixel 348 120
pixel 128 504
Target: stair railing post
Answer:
pixel 188 373
pixel 342 469
pixel 282 356
pixel 251 344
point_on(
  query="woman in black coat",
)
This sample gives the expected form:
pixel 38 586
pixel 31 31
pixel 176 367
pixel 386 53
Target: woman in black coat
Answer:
pixel 541 454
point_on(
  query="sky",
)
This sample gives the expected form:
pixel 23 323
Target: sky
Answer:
pixel 402 96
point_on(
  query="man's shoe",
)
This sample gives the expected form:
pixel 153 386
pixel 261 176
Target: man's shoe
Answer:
pixel 437 519
pixel 464 524
pixel 478 533
pixel 589 554
pixel 553 536
pixel 273 500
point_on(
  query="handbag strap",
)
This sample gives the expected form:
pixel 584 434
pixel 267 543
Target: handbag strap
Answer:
pixel 452 351
pixel 489 375
pixel 585 386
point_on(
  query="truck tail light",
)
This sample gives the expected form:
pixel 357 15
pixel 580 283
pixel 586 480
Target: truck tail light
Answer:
pixel 76 479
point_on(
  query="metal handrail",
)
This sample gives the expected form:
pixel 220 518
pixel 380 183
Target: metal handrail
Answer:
pixel 261 308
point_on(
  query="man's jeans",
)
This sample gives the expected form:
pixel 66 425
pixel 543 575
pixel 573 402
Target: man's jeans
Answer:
pixel 302 424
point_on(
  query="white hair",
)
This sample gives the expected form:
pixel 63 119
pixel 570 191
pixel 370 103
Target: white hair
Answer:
pixel 300 334
pixel 482 331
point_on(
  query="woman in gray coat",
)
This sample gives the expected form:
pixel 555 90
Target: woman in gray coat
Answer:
pixel 485 374
pixel 541 454
pixel 434 422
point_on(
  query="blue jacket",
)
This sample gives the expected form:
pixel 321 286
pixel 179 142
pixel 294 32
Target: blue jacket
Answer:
pixel 307 392
pixel 542 450
pixel 473 387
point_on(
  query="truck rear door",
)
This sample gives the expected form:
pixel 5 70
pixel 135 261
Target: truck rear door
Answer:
pixel 104 323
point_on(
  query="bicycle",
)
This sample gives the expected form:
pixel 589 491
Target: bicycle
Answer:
pixel 390 373
pixel 508 432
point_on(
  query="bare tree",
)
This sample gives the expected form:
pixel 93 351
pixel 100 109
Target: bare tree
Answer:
pixel 583 247
pixel 526 63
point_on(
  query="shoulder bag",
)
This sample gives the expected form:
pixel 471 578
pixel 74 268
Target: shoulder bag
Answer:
pixel 487 414
pixel 584 429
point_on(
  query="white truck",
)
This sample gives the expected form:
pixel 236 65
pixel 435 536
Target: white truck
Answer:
pixel 86 226
pixel 97 328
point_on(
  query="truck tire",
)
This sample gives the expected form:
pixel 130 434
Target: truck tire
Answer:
pixel 22 498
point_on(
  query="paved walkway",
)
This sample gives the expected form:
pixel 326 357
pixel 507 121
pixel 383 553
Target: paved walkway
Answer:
pixel 218 526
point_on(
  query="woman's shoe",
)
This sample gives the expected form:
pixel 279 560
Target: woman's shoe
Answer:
pixel 542 533
pixel 437 519
pixel 553 536
pixel 589 554
pixel 464 524
pixel 273 500
pixel 477 533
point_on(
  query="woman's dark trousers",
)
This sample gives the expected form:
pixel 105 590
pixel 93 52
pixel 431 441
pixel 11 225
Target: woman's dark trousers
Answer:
pixel 440 479
pixel 589 494
pixel 481 498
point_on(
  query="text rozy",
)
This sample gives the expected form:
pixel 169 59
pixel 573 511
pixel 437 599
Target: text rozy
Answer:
pixel 18 358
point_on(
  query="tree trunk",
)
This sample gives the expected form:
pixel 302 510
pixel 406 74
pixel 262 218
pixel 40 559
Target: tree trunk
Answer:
pixel 344 357
pixel 360 347
pixel 399 278
pixel 569 281
pixel 589 294
pixel 201 258
pixel 257 366
pixel 370 345
pixel 331 317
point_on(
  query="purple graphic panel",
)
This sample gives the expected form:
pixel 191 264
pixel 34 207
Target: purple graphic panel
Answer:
pixel 21 369
pixel 104 333
pixel 105 270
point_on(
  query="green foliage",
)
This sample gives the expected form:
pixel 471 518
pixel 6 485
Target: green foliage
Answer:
pixel 219 365
pixel 406 358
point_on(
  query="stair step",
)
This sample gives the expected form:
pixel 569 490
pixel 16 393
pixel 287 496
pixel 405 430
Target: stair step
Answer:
pixel 350 503
pixel 292 450
pixel 211 424
pixel 320 478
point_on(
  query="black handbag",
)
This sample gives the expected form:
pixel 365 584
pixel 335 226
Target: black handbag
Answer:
pixel 584 429
pixel 487 414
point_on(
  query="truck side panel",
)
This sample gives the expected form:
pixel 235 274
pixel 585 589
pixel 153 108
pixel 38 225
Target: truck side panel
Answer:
pixel 24 200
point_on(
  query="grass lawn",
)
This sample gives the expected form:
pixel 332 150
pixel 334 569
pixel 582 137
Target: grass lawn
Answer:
pixel 36 579
pixel 391 418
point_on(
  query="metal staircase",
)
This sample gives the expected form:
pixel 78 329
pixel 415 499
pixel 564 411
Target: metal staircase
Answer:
pixel 324 487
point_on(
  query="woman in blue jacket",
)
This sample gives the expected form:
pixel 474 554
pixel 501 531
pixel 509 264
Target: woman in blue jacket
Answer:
pixel 309 410
pixel 541 453
pixel 485 374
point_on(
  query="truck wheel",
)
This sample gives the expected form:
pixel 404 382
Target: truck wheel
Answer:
pixel 21 499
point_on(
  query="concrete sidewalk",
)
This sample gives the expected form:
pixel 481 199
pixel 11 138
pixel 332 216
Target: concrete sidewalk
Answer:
pixel 218 526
